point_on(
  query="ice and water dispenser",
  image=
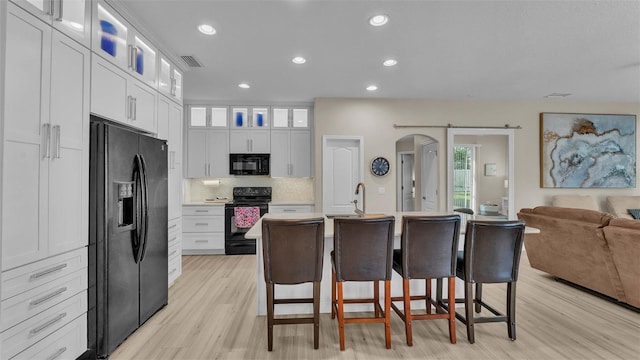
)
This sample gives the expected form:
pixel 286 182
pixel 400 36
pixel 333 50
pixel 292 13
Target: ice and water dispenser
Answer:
pixel 126 205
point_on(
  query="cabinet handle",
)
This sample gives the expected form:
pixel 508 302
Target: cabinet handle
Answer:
pixel 173 252
pixel 60 10
pixel 135 108
pixel 202 224
pixel 202 211
pixel 288 210
pixel 128 109
pixel 46 132
pixel 172 226
pixel 209 169
pixel 47 324
pixel 57 354
pixel 173 239
pixel 202 241
pixel 56 134
pixel 172 271
pixel 50 10
pixel 47 297
pixel 48 271
pixel 132 58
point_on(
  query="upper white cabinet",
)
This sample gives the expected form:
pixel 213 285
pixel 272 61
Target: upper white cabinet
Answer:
pixel 117 41
pixel 291 117
pixel 72 17
pixel 117 96
pixel 208 117
pixel 207 153
pixel 46 142
pixel 252 142
pixel 250 117
pixel 169 79
pixel 290 153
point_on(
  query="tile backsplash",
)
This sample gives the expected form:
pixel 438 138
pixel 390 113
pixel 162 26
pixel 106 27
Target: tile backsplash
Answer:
pixel 297 189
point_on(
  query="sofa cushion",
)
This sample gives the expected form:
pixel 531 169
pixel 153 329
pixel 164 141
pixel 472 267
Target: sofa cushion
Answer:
pixel 619 206
pixel 589 216
pixel 635 213
pixel 575 201
pixel 626 223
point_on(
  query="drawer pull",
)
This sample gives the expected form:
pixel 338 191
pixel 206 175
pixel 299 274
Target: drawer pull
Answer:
pixel 48 296
pixel 172 271
pixel 172 226
pixel 48 271
pixel 48 323
pixel 173 252
pixel 202 224
pixel 57 354
pixel 289 210
pixel 173 239
pixel 205 211
pixel 202 241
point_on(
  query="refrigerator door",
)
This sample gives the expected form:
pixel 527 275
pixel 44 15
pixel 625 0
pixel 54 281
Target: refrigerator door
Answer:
pixel 121 300
pixel 153 264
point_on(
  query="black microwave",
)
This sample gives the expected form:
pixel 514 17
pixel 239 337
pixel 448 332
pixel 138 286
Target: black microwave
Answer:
pixel 249 164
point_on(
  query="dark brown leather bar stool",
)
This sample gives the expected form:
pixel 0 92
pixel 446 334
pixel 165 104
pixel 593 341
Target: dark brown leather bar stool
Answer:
pixel 362 251
pixel 491 254
pixel 293 252
pixel 428 250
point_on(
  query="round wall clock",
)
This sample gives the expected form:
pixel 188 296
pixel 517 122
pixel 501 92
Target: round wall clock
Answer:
pixel 380 166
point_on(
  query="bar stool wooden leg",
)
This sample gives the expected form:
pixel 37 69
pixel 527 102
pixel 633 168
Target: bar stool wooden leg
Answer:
pixel 407 310
pixel 452 309
pixel 376 298
pixel 428 295
pixel 270 306
pixel 387 313
pixel 333 294
pixel 511 310
pixel 478 297
pixel 341 316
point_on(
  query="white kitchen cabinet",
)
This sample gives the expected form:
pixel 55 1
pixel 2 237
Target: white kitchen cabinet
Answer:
pixel 208 117
pixel 169 80
pixel 175 162
pixel 117 96
pixel 203 229
pixel 247 117
pixel 291 117
pixel 175 249
pixel 290 153
pixel 117 41
pixel 46 142
pixel 71 17
pixel 207 153
pixel 249 141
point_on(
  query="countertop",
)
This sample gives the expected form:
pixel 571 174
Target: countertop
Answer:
pixel 292 202
pixel 256 231
pixel 207 203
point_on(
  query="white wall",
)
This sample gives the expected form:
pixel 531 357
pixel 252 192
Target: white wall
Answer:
pixel 374 119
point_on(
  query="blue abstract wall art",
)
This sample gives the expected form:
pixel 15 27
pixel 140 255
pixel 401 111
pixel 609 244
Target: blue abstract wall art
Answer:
pixel 587 151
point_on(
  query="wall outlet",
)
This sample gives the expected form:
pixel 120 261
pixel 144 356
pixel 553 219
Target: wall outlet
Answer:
pixel 381 190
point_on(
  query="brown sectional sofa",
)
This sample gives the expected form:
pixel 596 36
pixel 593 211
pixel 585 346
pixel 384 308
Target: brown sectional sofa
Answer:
pixel 588 248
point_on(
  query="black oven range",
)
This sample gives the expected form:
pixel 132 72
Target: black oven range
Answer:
pixel 249 204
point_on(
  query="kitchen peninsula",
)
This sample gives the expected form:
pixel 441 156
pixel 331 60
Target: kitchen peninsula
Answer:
pixel 354 289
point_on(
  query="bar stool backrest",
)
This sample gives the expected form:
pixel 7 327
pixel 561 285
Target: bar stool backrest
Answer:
pixel 429 246
pixel 363 248
pixel 292 250
pixel 492 250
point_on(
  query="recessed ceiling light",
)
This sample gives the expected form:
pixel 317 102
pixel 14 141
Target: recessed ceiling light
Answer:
pixel 372 88
pixel 244 85
pixel 378 20
pixel 390 62
pixel 298 60
pixel 207 29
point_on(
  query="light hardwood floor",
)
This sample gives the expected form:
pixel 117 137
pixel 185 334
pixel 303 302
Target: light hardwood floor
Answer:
pixel 212 307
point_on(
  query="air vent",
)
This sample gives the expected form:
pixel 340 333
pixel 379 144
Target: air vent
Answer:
pixel 191 61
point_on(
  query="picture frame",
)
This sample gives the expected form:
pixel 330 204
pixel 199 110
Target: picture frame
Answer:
pixel 490 169
pixel 587 150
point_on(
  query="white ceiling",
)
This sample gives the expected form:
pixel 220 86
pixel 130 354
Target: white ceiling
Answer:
pixel 445 49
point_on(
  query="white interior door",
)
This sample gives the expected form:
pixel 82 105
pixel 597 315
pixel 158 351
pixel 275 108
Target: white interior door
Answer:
pixel 342 169
pixel 407 181
pixel 429 177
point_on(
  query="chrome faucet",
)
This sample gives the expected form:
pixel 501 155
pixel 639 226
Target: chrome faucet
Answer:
pixel 355 201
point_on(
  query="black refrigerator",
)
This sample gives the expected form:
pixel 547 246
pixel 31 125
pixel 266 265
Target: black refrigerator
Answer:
pixel 127 233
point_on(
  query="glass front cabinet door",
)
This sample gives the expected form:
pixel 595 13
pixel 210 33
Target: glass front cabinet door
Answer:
pixel 291 117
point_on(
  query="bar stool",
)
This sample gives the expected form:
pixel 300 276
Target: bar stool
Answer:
pixel 362 251
pixel 293 252
pixel 491 254
pixel 428 250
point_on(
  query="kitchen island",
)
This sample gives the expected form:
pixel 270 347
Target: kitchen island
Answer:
pixel 352 289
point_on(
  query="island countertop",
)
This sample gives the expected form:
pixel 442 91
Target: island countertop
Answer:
pixel 354 289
